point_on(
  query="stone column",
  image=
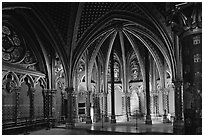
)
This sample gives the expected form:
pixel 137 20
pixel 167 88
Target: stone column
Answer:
pixel 186 23
pixel 154 85
pixel 69 121
pixel 53 102
pixel 148 116
pixel 75 107
pixel 165 96
pixel 156 103
pixel 178 121
pixel 125 105
pixel 105 107
pixel 124 71
pixel 151 80
pixel 160 100
pixel 48 104
pixel 192 81
pixel 62 110
pixel 17 90
pixel 128 104
pixel 32 111
pixel 88 106
pixel 113 120
pixel 76 96
pixel 88 92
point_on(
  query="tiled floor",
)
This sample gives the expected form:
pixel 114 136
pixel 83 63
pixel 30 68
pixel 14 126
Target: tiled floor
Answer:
pixel 107 128
pixel 129 127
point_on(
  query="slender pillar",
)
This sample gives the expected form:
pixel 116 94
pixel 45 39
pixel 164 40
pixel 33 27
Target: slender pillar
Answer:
pixel 178 125
pixel 178 121
pixel 17 90
pixel 125 70
pixel 165 95
pixel 125 105
pixel 106 119
pixel 152 85
pixel 88 105
pixel 76 96
pixel 97 98
pixel 113 120
pixel 105 93
pixel 128 103
pixel 70 121
pixel 148 116
pixel 63 111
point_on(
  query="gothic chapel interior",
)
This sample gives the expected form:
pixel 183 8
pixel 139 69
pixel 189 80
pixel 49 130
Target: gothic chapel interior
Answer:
pixel 73 62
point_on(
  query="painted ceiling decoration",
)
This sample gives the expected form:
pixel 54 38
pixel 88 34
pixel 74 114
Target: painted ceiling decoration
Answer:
pixel 92 11
pixel 59 16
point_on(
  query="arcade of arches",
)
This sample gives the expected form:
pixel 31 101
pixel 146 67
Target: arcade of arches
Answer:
pixel 75 62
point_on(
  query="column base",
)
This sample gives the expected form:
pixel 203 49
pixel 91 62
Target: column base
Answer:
pixel 70 125
pixel 106 119
pixel 128 117
pixel 88 120
pixel 113 120
pixel 178 127
pixel 165 119
pixel 148 120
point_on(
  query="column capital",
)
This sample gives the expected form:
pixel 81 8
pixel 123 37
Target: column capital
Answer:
pixel 154 92
pixel 69 90
pixel 104 94
pixel 182 22
pixel 166 91
pixel 177 83
pixel 127 94
pixel 88 92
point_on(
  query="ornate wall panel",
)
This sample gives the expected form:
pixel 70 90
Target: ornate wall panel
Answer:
pixel 38 102
pixel 8 106
pixel 24 102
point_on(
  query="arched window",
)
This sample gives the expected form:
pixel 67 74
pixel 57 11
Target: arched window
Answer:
pixel 81 66
pixel 13 47
pixel 116 71
pixel 135 69
pixel 15 50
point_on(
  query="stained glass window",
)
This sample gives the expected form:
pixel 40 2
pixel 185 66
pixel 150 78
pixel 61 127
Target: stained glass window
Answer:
pixel 81 66
pixel 135 69
pixel 116 71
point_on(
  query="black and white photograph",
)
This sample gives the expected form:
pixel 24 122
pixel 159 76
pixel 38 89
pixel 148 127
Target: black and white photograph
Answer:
pixel 101 68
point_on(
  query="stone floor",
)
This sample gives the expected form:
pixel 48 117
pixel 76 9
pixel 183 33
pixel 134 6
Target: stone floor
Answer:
pixel 124 128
